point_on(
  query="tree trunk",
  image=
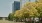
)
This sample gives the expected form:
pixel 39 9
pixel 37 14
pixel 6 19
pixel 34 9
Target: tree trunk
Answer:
pixel 34 20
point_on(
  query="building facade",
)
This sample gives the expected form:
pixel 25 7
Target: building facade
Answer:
pixel 15 6
pixel 22 2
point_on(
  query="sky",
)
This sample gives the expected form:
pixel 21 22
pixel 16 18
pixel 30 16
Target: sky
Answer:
pixel 6 7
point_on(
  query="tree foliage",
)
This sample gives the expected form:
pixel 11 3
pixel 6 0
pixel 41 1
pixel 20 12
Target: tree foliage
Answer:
pixel 40 1
pixel 10 17
pixel 39 8
pixel 27 11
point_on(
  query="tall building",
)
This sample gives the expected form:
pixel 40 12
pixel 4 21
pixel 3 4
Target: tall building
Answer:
pixel 15 6
pixel 22 2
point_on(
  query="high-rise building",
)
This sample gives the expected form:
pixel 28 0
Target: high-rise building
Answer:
pixel 24 1
pixel 15 6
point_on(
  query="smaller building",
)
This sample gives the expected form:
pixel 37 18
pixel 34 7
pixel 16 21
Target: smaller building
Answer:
pixel 3 18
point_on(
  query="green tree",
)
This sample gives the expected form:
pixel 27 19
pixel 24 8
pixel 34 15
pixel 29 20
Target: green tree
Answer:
pixel 27 11
pixel 10 17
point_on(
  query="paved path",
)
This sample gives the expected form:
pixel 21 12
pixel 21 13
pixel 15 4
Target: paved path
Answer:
pixel 6 21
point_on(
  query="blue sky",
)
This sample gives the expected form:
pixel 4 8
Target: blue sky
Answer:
pixel 6 7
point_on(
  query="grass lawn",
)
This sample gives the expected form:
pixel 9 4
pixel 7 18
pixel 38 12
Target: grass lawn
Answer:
pixel 6 21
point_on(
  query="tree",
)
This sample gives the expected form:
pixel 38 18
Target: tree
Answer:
pixel 10 17
pixel 27 11
pixel 31 8
pixel 40 1
pixel 39 8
